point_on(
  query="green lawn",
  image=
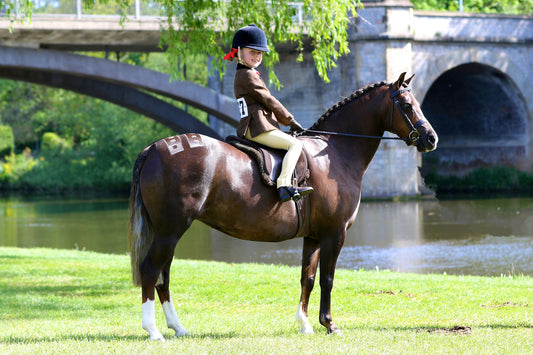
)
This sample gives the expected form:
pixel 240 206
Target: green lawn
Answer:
pixel 57 301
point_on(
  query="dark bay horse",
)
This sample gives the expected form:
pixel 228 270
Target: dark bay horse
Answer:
pixel 179 179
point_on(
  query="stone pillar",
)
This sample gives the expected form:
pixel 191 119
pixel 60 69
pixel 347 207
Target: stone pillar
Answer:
pixel 381 49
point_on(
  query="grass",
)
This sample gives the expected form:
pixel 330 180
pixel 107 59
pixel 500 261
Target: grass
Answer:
pixel 58 301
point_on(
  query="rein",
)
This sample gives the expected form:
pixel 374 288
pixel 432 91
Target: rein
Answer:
pixel 354 135
pixel 414 135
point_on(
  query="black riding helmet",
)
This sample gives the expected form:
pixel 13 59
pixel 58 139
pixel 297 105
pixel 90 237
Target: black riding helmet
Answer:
pixel 251 37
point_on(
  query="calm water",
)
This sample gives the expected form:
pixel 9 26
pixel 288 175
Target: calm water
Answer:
pixel 476 237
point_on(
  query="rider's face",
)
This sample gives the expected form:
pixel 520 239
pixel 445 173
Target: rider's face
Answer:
pixel 251 57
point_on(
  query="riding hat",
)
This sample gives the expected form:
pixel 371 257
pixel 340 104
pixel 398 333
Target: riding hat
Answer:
pixel 251 37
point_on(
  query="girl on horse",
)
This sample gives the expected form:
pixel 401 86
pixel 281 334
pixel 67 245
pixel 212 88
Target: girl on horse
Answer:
pixel 261 112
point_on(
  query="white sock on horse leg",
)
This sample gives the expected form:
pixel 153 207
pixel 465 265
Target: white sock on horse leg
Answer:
pixel 305 326
pixel 148 322
pixel 173 321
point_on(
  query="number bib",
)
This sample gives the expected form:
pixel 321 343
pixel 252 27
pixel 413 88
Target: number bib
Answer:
pixel 243 108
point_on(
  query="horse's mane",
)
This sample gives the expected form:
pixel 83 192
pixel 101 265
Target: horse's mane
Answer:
pixel 356 94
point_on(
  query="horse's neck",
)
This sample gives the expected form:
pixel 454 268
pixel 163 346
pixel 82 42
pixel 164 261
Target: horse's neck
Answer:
pixel 356 152
pixel 356 119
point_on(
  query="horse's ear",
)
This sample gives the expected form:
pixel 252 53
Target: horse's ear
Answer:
pixel 408 80
pixel 399 82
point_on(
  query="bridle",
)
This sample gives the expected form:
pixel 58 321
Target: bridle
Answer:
pixel 414 135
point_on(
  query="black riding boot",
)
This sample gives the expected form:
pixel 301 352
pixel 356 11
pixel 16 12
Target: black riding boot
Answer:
pixel 287 193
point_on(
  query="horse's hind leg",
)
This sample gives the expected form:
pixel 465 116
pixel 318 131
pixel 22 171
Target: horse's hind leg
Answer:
pixel 156 264
pixel 171 316
pixel 310 258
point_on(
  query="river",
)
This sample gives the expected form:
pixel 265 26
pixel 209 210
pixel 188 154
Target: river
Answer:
pixel 491 237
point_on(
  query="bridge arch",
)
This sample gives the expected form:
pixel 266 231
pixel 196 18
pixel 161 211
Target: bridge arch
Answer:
pixel 481 116
pixel 432 69
pixel 125 85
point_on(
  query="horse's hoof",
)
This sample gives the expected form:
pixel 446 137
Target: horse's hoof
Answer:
pixel 157 337
pixel 182 333
pixel 335 331
pixel 307 330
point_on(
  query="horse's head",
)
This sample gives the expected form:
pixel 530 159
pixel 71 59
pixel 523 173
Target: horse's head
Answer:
pixel 406 118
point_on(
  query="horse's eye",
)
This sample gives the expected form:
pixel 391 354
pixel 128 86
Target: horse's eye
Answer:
pixel 407 108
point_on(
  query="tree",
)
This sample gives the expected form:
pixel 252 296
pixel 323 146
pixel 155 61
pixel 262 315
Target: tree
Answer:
pixel 514 7
pixel 207 27
pixel 12 8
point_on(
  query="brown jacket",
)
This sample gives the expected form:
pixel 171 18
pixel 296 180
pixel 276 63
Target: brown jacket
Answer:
pixel 262 111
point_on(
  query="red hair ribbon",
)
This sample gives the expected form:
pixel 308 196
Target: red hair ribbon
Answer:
pixel 231 54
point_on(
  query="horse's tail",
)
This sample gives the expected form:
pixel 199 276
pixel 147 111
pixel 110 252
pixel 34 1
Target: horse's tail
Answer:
pixel 141 231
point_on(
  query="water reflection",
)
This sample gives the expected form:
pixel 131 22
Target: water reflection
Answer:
pixel 97 225
pixel 479 237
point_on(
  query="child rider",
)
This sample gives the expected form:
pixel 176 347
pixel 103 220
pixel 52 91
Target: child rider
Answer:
pixel 261 112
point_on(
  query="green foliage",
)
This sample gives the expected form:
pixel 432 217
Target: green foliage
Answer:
pixel 14 8
pixel 52 142
pixel 98 141
pixel 7 141
pixel 15 167
pixel 24 106
pixel 202 28
pixel 524 7
pixel 483 180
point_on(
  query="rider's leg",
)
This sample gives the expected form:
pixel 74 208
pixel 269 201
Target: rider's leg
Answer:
pixel 280 140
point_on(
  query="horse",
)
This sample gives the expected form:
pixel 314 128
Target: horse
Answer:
pixel 192 177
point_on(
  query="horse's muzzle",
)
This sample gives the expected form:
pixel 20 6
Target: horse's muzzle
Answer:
pixel 428 140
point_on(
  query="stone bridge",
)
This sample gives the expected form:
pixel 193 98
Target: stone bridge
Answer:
pixel 473 75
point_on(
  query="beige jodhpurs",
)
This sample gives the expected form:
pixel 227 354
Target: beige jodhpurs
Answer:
pixel 280 140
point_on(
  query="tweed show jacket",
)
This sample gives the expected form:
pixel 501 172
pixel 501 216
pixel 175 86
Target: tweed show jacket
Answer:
pixel 260 111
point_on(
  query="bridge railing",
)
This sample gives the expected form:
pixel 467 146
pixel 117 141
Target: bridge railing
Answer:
pixel 139 9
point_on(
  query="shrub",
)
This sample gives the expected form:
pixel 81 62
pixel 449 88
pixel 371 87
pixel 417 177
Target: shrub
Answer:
pixel 7 141
pixel 497 179
pixel 52 142
pixel 14 169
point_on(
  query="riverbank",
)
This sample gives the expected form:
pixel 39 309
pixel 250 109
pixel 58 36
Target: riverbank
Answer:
pixel 489 237
pixel 504 181
pixel 57 301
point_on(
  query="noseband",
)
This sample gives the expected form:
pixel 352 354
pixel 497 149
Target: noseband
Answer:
pixel 414 135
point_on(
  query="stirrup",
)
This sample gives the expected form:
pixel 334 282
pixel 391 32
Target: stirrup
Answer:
pixel 304 190
pixel 287 193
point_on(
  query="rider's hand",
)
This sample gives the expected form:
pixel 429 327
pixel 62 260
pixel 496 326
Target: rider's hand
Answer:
pixel 296 127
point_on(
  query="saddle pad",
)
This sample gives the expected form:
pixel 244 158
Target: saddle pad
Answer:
pixel 269 160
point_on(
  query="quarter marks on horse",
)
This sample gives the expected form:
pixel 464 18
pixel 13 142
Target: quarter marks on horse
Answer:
pixel 175 143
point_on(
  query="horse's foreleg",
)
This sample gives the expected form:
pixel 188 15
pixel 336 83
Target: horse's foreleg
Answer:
pixel 171 316
pixel 329 252
pixel 310 258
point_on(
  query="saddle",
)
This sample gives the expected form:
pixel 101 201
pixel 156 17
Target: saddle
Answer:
pixel 269 160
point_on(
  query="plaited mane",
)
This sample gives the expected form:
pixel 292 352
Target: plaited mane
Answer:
pixel 356 94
